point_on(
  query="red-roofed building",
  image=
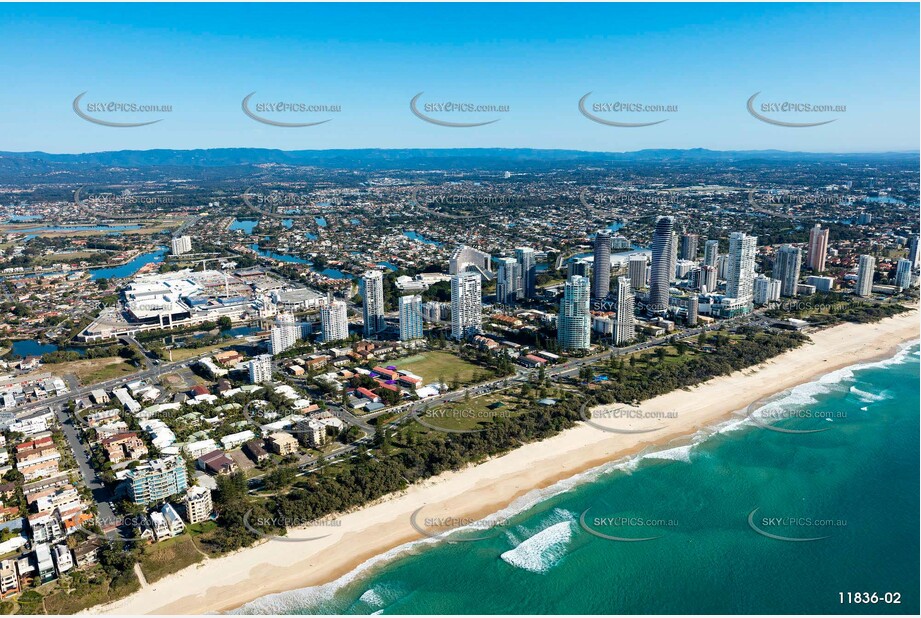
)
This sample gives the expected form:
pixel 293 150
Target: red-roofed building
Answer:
pixel 37 443
pixel 530 360
pixel 370 395
pixel 389 387
pixel 387 373
pixel 412 382
pixel 216 462
pixel 199 390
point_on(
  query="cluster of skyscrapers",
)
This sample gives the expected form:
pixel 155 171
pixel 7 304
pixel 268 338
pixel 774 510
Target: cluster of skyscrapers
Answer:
pixel 589 283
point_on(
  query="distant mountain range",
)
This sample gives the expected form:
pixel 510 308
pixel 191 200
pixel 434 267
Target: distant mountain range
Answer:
pixel 422 158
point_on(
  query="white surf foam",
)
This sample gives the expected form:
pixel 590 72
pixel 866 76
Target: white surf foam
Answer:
pixel 293 600
pixel 371 597
pixel 677 453
pixel 542 551
pixel 868 397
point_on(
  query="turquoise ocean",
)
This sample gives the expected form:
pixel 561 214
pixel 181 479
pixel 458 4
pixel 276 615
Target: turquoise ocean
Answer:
pixel 728 515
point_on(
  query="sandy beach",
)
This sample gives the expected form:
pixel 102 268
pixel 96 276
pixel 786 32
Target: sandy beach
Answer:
pixel 226 583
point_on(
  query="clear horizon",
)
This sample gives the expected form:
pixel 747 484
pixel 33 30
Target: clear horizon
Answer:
pixel 698 63
pixel 805 152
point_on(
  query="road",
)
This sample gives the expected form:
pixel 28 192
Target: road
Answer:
pixel 101 494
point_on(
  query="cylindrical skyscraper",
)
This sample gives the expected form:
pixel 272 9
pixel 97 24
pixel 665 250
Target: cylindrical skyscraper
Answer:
pixel 662 249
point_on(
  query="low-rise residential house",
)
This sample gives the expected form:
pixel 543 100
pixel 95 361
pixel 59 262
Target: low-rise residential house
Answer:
pixel 124 446
pixel 62 497
pixel 196 449
pixel 37 455
pixel 126 400
pixel 110 429
pixel 102 418
pixel 44 562
pixel 236 439
pixel 27 569
pixel 35 423
pixel 216 462
pixel 255 450
pixel 173 521
pixel 9 577
pixel 74 518
pixel 161 436
pixel 228 358
pixel 87 553
pixel 7 490
pixel 159 527
pixel 32 472
pixel 13 544
pixel 63 561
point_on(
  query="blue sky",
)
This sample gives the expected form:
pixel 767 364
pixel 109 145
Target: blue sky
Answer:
pixel 538 59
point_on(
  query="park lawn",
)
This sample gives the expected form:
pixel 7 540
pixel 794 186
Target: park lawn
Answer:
pixel 69 256
pixel 474 413
pixel 169 556
pixel 93 370
pixel 434 365
pixel 181 354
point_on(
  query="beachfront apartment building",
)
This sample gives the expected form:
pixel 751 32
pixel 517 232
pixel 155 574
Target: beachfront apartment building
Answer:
pixel 197 504
pixel 865 269
pixel 157 480
pixel 574 323
pixel 786 269
pixel 741 267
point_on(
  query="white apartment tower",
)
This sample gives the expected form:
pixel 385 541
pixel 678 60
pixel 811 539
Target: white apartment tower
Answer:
pixel 865 268
pixel 410 318
pixel 372 294
pixel 285 333
pixel 466 304
pixel 180 245
pixel 260 369
pixel 574 324
pixel 334 321
pixel 903 274
pixel 625 327
pixel 766 290
pixel 741 266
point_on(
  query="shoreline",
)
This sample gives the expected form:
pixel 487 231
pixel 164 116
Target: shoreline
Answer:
pixel 374 531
